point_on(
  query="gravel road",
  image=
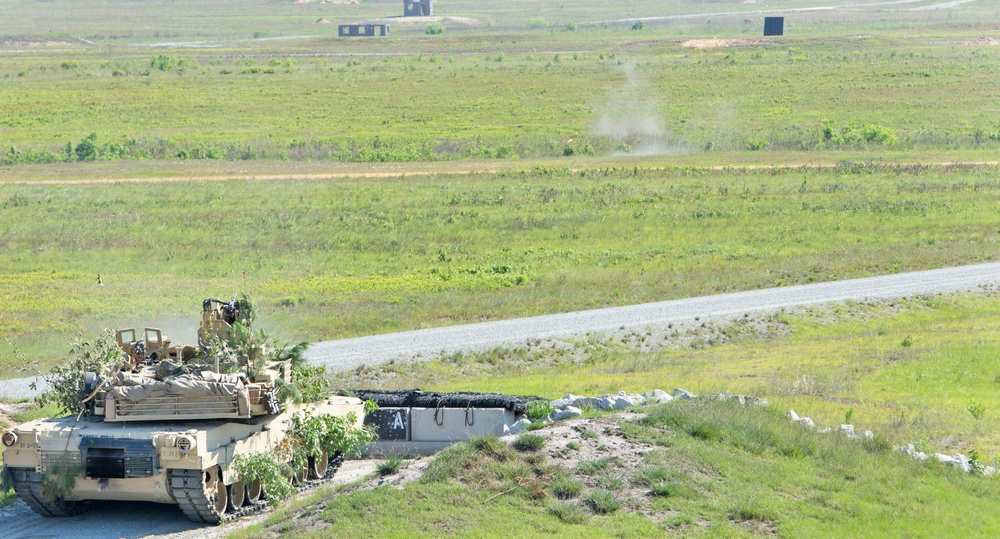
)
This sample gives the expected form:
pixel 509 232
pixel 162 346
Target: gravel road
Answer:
pixel 377 349
pixel 348 354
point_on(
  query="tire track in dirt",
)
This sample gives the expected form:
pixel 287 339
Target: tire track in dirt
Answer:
pixel 445 172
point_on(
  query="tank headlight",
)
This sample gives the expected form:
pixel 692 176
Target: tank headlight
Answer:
pixel 9 438
pixel 185 443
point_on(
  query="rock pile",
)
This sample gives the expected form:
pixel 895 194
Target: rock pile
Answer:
pixel 570 406
pixel 958 460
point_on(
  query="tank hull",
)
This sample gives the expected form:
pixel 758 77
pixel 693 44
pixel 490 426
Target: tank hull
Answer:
pixel 134 461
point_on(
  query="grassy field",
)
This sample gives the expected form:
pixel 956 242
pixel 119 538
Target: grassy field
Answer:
pixel 171 89
pixel 349 257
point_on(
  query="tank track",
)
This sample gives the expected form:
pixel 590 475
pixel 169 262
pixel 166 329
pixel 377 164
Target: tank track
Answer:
pixel 28 485
pixel 186 488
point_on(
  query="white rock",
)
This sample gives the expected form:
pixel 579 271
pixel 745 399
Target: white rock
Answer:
pixel 518 427
pixel 944 459
pixel 627 401
pixel 807 422
pixel 568 413
pixel 824 431
pixel 869 434
pixel 568 400
pixel 792 415
pixel 846 429
pixel 683 394
pixel 658 396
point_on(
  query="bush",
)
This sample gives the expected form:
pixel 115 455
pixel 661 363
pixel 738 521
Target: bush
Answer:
pixel 756 144
pixel 268 468
pixel 30 157
pixel 389 466
pixel 603 502
pixel 566 488
pixel 434 29
pixel 163 63
pixel 650 475
pixel 570 514
pixel 539 408
pixel 666 490
pixel 528 442
pixel 102 357
pixel 86 150
pixel 538 23
pixel 638 25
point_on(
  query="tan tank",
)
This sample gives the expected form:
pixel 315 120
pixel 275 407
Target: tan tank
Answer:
pixel 168 427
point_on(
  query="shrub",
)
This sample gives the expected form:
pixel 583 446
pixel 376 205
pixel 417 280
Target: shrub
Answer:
pixel 666 490
pixel 434 29
pixel 638 25
pixel 603 502
pixel 538 23
pixel 566 488
pixel 650 475
pixel 269 469
pixel 102 357
pixel 528 442
pixel 756 144
pixel 389 466
pixel 570 514
pixel 571 27
pixel 163 63
pixel 539 408
pixel 30 157
pixel 86 150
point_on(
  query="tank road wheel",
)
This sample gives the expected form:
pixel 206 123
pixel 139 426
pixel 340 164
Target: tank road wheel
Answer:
pixel 318 466
pixel 28 485
pixel 254 490
pixel 200 494
pixel 237 495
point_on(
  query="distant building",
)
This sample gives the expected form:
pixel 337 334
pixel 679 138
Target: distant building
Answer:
pixel 363 30
pixel 418 8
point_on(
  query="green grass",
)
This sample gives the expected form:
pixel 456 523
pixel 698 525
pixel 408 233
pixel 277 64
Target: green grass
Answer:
pixel 346 257
pixel 496 90
pixel 762 476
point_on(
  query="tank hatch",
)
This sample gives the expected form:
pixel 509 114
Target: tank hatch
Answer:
pixel 117 458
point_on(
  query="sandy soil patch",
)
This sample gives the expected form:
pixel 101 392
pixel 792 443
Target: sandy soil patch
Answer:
pixel 420 21
pixel 28 42
pixel 985 40
pixel 716 42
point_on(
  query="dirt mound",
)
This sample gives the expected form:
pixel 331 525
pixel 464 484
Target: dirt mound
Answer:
pixel 715 42
pixel 323 21
pixel 985 40
pixel 32 41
